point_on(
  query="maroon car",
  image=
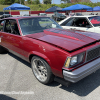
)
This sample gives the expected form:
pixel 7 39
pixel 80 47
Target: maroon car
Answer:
pixel 54 53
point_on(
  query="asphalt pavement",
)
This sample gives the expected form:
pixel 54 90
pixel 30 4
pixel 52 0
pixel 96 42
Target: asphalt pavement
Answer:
pixel 17 82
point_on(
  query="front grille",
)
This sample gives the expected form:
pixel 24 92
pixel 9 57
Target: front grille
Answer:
pixel 93 53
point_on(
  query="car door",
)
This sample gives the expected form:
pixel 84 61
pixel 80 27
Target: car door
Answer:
pixel 97 29
pixel 10 39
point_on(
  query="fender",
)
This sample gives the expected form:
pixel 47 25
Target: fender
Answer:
pixel 40 55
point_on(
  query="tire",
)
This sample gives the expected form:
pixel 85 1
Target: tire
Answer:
pixel 41 70
pixel 2 49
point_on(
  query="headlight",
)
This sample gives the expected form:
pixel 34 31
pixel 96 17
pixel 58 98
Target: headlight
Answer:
pixel 71 61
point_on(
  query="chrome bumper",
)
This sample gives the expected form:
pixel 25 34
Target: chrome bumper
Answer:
pixel 82 72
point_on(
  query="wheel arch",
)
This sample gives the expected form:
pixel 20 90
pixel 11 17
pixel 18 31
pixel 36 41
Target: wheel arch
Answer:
pixel 44 57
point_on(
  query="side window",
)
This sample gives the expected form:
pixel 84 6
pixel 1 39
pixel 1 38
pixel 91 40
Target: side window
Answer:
pixel 68 22
pixel 80 22
pixel 7 27
pixel 1 25
pixel 11 27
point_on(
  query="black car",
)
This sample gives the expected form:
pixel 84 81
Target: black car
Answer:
pixel 58 16
pixel 6 15
pixel 79 14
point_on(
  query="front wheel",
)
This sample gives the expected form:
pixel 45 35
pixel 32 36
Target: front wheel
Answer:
pixel 41 70
pixel 2 49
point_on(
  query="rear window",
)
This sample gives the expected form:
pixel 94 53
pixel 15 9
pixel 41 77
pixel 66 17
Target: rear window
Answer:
pixel 95 20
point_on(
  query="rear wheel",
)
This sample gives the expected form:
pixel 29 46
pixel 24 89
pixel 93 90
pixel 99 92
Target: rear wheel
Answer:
pixel 41 70
pixel 2 49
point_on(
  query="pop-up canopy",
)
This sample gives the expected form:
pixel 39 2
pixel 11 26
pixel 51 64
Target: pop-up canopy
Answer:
pixel 16 6
pixel 77 7
pixel 97 8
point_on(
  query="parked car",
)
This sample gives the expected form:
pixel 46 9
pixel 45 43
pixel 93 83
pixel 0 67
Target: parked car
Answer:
pixel 26 15
pixel 6 15
pixel 58 16
pixel 79 14
pixel 90 23
pixel 54 53
pixel 42 14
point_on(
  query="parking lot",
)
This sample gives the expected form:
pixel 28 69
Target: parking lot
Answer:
pixel 17 79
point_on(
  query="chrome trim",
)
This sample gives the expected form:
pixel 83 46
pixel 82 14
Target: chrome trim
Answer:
pixel 82 72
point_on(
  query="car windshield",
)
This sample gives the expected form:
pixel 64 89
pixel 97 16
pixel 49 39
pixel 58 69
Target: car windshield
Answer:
pixel 36 25
pixel 95 20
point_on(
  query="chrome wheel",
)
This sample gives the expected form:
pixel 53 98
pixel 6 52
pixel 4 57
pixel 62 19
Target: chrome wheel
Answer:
pixel 39 70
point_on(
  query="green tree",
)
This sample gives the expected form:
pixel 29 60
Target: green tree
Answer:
pixel 47 1
pixel 17 1
pixel 9 2
pixel 20 1
pixel 2 2
pixel 66 1
pixel 36 2
pixel 29 1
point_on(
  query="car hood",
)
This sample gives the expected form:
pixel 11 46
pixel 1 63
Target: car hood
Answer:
pixel 66 39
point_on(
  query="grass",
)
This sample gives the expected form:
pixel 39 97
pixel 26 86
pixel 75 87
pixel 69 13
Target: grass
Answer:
pixel 3 6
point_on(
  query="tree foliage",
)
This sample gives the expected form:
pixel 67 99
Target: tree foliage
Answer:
pixel 2 2
pixel 33 2
pixel 9 2
pixel 47 1
pixel 36 2
pixel 66 1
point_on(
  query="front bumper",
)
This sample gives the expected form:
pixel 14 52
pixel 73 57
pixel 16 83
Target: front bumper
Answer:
pixel 82 72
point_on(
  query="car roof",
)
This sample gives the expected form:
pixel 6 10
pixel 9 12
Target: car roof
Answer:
pixel 22 17
pixel 85 16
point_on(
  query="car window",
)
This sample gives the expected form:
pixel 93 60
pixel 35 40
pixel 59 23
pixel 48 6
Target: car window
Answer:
pixel 11 27
pixel 67 22
pixel 1 25
pixel 80 22
pixel 36 25
pixel 95 20
pixel 42 14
